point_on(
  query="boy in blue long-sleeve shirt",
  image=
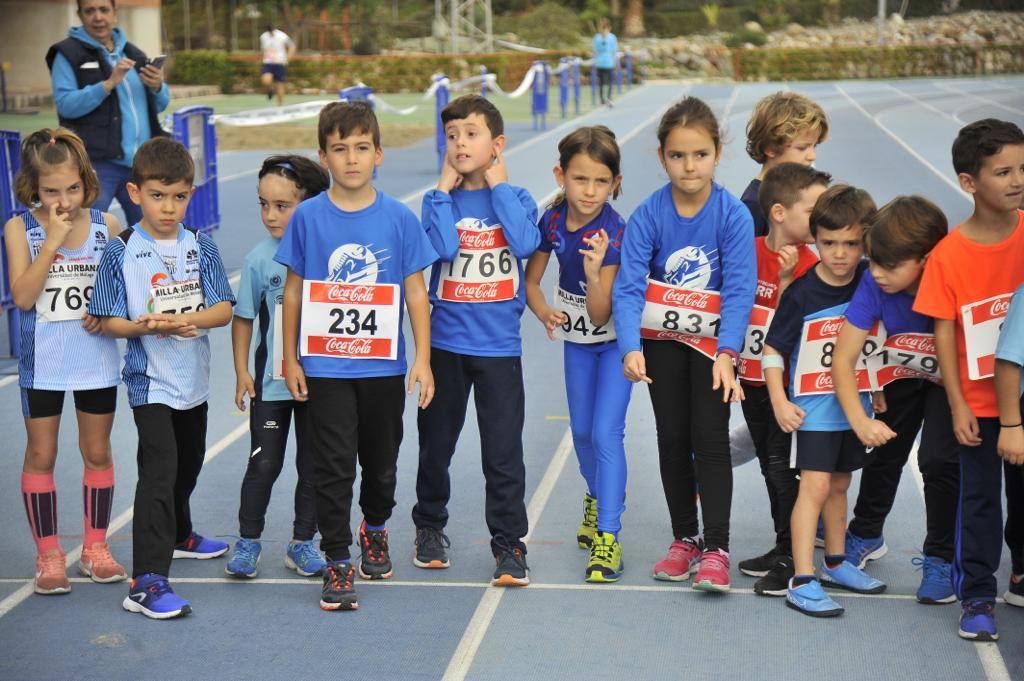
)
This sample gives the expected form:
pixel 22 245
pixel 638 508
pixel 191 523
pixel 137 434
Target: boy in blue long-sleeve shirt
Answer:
pixel 482 228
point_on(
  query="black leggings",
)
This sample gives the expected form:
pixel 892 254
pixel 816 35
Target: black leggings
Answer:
pixel 693 441
pixel 268 429
pixel 604 80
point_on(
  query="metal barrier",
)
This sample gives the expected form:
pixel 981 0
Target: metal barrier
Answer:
pixel 10 149
pixel 356 93
pixel 539 107
pixel 441 96
pixel 193 128
pixel 483 82
pixel 576 84
pixel 564 76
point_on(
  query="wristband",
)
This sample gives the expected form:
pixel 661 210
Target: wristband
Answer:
pixel 1015 425
pixel 773 362
pixel 733 356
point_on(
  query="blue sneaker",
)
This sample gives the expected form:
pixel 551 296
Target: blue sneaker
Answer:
pixel 304 558
pixel 860 550
pixel 811 599
pixel 198 546
pixel 151 595
pixel 936 580
pixel 819 535
pixel 245 560
pixel 848 576
pixel 978 621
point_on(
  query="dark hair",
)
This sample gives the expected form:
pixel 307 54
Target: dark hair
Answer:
pixel 840 206
pixel 467 105
pixel 906 228
pixel 780 118
pixel 785 182
pixel 113 4
pixel 310 178
pixel 597 142
pixel 45 149
pixel 163 159
pixel 687 113
pixel 347 118
pixel 979 140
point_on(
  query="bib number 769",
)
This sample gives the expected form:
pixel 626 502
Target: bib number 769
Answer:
pixel 72 297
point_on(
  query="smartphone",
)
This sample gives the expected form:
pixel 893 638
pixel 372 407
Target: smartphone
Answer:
pixel 159 61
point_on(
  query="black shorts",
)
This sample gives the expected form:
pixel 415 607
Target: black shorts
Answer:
pixel 39 404
pixel 827 451
pixel 279 71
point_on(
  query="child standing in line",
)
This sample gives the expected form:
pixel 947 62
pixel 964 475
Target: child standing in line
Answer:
pixel 686 287
pixel 788 194
pixel 482 228
pixel 826 452
pixel 967 285
pixel 353 255
pixel 585 233
pixel 162 286
pixel 1010 398
pixel 785 127
pixel 284 182
pixel 53 251
pixel 899 238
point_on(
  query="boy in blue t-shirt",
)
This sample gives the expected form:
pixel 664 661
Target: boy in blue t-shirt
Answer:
pixel 162 286
pixel 353 254
pixel 900 237
pixel 482 228
pixel 826 450
pixel 1010 396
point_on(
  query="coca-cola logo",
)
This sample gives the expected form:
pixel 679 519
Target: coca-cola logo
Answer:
pixel 350 294
pixel 692 299
pixel 923 344
pixel 1000 307
pixel 484 291
pixel 904 372
pixel 823 381
pixel 831 327
pixel 351 347
pixel 477 240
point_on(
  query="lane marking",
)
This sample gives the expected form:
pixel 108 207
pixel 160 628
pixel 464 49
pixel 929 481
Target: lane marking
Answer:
pixel 923 103
pixel 7 380
pixel 15 599
pixel 988 100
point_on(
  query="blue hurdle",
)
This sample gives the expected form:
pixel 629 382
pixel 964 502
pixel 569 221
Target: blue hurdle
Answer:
pixel 193 128
pixel 10 159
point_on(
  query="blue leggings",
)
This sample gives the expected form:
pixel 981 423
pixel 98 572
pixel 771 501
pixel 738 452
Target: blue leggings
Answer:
pixel 598 395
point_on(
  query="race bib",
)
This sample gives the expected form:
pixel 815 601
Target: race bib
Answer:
pixel 814 364
pixel 578 328
pixel 353 321
pixel 684 315
pixel 178 297
pixel 66 292
pixel 750 368
pixel 483 270
pixel 277 353
pixel 982 323
pixel 905 355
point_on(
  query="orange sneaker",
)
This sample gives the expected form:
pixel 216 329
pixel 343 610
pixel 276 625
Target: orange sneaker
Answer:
pixel 51 574
pixel 97 564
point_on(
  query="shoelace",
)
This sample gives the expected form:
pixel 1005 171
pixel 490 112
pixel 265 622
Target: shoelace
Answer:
pixel 507 551
pixel 307 552
pixel 681 550
pixel 590 512
pixel 335 580
pixel 433 539
pixel 246 551
pixel 99 553
pixel 376 545
pixel 602 552
pixel 53 561
pixel 934 569
pixel 714 560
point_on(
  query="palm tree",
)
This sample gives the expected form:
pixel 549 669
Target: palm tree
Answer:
pixel 633 22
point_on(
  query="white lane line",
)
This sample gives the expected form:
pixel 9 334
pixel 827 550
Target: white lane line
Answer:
pixel 988 653
pixel 731 102
pixel 927 164
pixel 7 380
pixel 921 102
pixel 15 599
pixel 235 176
pixel 975 95
pixel 473 636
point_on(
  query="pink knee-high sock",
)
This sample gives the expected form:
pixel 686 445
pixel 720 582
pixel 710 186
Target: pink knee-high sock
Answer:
pixel 40 497
pixel 97 500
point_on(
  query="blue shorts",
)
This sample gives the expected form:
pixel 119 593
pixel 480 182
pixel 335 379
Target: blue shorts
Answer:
pixel 280 72
pixel 827 451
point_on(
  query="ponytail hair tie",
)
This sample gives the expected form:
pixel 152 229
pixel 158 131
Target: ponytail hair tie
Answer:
pixel 53 140
pixel 287 166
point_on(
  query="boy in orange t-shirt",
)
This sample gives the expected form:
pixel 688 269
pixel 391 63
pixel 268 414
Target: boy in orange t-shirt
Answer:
pixel 966 287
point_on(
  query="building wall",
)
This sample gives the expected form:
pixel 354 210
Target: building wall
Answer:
pixel 29 27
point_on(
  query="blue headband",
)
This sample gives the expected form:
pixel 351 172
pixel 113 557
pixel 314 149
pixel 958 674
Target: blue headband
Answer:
pixel 286 166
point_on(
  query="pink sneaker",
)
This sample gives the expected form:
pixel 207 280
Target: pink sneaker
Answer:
pixel 713 573
pixel 680 561
pixel 51 575
pixel 97 564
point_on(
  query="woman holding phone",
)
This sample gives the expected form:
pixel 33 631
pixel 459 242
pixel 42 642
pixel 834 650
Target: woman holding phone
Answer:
pixel 107 91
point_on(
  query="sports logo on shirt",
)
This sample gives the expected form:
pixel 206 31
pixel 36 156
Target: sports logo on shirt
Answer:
pixel 355 263
pixel 275 280
pixel 689 267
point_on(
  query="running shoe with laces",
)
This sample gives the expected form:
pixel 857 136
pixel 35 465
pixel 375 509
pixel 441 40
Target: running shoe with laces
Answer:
pixel 98 565
pixel 511 568
pixel 978 620
pixel 51 573
pixel 860 550
pixel 811 599
pixel 199 547
pixel 936 580
pixel 151 595
pixel 587 528
pixel 759 566
pixel 713 572
pixel 848 576
pixel 1015 594
pixel 605 564
pixel 431 549
pixel 375 562
pixel 338 592
pixel 304 558
pixel 679 562
pixel 246 559
pixel 776 582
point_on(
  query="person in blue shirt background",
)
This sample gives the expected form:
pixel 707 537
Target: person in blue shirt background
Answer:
pixel 94 62
pixel 1009 391
pixel 606 47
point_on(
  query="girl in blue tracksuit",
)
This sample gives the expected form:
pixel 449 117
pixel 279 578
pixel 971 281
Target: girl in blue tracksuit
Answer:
pixel 694 241
pixel 585 234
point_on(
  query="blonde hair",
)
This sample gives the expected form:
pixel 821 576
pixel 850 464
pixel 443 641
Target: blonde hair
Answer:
pixel 46 149
pixel 780 118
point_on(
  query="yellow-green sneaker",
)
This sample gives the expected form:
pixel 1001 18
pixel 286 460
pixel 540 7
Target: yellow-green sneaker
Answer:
pixel 586 530
pixel 605 564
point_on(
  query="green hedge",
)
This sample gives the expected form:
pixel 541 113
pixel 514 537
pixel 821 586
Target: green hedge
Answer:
pixel 201 67
pixel 876 62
